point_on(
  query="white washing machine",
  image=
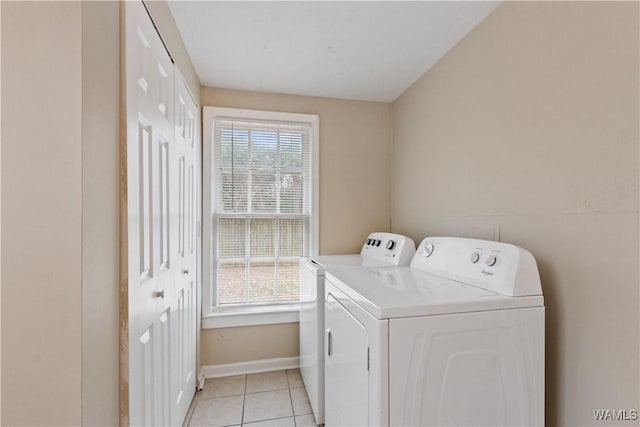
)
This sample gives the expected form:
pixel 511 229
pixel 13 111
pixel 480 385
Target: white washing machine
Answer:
pixel 379 250
pixel 456 339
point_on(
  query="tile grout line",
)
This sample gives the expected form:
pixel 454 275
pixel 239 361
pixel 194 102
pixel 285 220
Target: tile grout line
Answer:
pixel 268 419
pixel 267 391
pixel 295 424
pixel 244 399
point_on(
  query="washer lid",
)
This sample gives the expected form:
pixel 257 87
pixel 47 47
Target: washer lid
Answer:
pixel 406 292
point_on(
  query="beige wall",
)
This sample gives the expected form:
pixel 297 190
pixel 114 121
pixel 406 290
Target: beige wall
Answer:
pixel 531 124
pixel 244 344
pixel 354 188
pixel 100 195
pixel 41 213
pixel 0 220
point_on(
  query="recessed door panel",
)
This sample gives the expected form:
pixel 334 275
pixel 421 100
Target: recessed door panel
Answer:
pixel 191 336
pixel 182 218
pixel 144 390
pixel 180 115
pixel 165 225
pixel 163 372
pixel 143 70
pixel 164 88
pixel 145 191
pixel 190 128
pixel 191 184
pixel 181 326
pixel 346 368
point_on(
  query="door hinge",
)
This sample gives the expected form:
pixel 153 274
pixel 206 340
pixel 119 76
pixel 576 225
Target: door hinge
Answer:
pixel 368 357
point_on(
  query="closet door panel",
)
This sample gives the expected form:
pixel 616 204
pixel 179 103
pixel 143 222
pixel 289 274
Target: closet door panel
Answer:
pixel 149 303
pixel 186 114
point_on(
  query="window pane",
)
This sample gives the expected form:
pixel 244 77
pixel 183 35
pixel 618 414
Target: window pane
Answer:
pixel 263 194
pixel 231 237
pixel 262 281
pixel 291 151
pixel 291 193
pixel 262 171
pixel 264 146
pixel 232 279
pixel 234 148
pixel 288 281
pixel 291 237
pixel 234 191
pixel 262 238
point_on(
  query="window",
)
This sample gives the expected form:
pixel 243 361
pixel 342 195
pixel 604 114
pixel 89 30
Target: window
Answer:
pixel 261 206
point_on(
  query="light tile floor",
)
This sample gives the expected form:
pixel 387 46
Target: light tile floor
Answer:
pixel 269 399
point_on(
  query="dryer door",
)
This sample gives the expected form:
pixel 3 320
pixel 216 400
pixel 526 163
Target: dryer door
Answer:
pixel 346 368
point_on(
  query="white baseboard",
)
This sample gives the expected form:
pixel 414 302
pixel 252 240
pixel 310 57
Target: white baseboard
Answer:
pixel 251 367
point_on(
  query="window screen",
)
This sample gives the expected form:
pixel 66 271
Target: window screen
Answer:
pixel 261 212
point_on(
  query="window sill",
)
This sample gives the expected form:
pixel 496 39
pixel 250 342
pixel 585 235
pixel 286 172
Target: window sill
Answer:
pixel 251 317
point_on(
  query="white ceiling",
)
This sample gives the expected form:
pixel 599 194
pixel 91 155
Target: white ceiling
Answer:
pixel 355 50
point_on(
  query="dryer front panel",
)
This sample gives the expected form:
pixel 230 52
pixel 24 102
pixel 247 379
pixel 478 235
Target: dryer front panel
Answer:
pixel 481 369
pixel 347 372
pixel 312 335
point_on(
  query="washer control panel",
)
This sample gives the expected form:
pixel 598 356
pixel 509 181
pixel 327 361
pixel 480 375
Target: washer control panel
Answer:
pixel 495 266
pixel 491 260
pixel 390 247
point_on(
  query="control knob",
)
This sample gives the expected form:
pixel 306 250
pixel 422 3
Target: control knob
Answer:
pixel 474 257
pixel 428 250
pixel 491 260
pixel 391 244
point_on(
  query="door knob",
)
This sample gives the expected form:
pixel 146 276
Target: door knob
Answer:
pixel 185 271
pixel 159 294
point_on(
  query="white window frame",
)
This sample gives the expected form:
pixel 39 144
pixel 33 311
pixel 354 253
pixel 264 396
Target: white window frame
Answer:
pixel 215 316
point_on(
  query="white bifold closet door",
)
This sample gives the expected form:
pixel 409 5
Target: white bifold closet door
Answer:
pixel 186 184
pixel 159 326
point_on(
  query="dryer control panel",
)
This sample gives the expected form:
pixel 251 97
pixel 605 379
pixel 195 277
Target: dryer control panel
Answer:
pixel 495 266
pixel 389 247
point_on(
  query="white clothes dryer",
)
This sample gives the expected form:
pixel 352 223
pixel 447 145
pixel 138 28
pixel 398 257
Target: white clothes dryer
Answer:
pixel 379 250
pixel 456 339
